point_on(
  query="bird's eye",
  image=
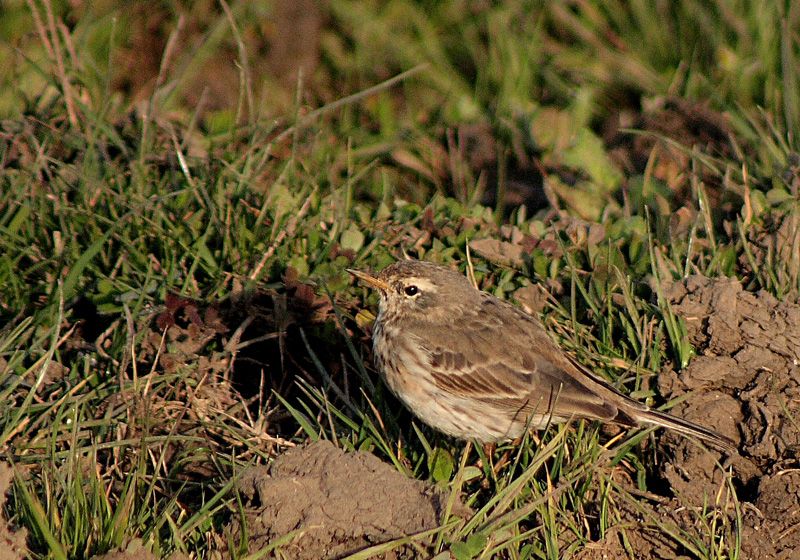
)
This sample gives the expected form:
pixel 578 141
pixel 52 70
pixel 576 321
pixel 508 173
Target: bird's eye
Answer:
pixel 411 291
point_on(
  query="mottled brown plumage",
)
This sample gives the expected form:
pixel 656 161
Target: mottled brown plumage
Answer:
pixel 476 367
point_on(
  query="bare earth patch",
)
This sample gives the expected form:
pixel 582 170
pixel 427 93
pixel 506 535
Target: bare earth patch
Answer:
pixel 136 550
pixel 12 543
pixel 335 503
pixel 744 382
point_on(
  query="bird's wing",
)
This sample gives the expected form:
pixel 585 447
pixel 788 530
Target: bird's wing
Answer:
pixel 545 390
pixel 514 364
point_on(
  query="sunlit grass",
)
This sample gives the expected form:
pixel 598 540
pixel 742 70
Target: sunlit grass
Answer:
pixel 109 206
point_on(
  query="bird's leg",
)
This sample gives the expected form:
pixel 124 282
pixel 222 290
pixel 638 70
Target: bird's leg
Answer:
pixel 505 459
pixel 488 452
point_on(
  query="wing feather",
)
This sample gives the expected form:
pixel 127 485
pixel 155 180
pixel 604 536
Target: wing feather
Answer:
pixel 539 380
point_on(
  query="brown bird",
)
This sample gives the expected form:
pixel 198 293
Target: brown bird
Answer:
pixel 476 367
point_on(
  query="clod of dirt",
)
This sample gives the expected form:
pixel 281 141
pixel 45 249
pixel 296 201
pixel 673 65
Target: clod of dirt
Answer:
pixel 136 550
pixel 749 349
pixel 335 503
pixel 745 383
pixel 771 529
pixel 12 543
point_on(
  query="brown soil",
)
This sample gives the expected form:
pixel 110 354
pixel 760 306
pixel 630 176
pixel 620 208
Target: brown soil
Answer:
pixel 136 550
pixel 12 543
pixel 334 503
pixel 744 383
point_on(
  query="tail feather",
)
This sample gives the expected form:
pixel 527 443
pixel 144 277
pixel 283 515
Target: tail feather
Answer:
pixel 630 412
pixel 682 426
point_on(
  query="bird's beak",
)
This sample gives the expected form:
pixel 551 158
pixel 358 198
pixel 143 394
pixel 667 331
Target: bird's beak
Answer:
pixel 371 281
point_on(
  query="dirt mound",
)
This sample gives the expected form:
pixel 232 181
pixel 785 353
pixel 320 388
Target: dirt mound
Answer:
pixel 770 528
pixel 12 543
pixel 334 503
pixel 748 349
pixel 135 549
pixel 744 382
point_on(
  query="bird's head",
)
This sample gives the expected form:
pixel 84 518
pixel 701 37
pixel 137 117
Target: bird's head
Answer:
pixel 417 289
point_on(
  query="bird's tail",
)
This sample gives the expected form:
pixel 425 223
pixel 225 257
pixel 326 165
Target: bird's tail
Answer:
pixel 682 426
